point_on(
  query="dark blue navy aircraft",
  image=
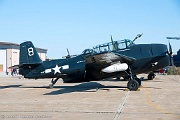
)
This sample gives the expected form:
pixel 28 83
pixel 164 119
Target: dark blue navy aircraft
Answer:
pixel 114 59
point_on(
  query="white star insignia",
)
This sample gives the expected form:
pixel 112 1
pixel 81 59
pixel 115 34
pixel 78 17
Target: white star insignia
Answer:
pixel 56 69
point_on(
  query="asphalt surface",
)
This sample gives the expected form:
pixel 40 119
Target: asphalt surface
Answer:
pixel 24 99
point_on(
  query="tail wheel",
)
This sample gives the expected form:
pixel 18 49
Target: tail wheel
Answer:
pixel 51 86
pixel 133 85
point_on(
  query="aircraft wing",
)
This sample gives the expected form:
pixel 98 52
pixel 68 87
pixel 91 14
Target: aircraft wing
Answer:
pixel 109 62
pixel 110 58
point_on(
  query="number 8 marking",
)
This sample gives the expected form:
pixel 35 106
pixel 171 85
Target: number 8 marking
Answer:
pixel 30 51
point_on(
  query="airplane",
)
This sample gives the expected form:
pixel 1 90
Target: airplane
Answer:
pixel 112 59
pixel 174 38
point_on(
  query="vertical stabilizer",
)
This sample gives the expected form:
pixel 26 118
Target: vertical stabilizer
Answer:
pixel 28 54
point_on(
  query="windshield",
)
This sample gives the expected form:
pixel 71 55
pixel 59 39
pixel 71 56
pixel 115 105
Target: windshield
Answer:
pixel 111 46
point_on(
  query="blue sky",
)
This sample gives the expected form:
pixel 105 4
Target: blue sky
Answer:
pixel 80 24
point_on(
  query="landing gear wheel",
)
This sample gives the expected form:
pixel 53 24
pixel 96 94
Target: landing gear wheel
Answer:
pixel 133 85
pixel 139 81
pixel 151 76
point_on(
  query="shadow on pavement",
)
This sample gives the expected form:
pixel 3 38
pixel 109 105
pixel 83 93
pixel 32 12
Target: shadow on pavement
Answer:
pixel 83 87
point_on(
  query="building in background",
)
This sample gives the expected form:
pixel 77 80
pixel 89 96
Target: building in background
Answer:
pixel 9 55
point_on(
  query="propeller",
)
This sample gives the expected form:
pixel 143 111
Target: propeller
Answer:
pixel 171 58
pixel 171 53
pixel 170 49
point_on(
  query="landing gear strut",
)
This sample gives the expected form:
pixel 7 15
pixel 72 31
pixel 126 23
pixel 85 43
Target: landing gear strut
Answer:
pixel 53 82
pixel 134 82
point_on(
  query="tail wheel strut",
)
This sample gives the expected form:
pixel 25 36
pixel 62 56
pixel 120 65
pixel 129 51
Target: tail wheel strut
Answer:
pixel 53 82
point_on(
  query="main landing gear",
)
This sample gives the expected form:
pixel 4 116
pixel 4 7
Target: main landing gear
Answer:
pixel 134 82
pixel 151 76
pixel 53 82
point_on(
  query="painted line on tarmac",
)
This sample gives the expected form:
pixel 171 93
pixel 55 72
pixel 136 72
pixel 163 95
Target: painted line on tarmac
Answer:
pixel 155 106
pixel 121 106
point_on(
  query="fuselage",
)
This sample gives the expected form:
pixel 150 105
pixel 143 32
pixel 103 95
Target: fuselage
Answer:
pixel 67 69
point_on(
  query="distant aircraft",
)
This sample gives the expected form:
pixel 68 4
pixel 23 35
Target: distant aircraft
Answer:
pixel 113 59
pixel 175 38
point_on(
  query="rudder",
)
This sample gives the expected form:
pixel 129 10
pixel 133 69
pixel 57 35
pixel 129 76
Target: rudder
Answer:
pixel 28 54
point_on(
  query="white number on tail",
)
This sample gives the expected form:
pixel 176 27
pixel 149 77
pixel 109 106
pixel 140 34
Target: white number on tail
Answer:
pixel 30 51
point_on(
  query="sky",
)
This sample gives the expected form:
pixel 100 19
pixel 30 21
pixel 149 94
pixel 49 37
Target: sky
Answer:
pixel 80 24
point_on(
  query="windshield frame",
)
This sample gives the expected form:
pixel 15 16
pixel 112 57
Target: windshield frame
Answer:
pixel 108 47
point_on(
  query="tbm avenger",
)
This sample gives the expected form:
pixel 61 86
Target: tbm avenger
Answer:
pixel 113 59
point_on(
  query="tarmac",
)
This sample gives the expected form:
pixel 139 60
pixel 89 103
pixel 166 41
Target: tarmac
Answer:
pixel 26 99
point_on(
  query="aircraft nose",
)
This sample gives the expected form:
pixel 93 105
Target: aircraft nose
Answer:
pixel 159 49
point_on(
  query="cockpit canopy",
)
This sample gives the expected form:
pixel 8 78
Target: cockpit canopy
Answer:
pixel 111 46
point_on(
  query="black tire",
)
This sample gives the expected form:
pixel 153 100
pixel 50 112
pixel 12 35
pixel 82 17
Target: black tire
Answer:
pixel 139 81
pixel 151 77
pixel 133 85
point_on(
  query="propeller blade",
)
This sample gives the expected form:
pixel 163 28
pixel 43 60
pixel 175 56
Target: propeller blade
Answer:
pixel 172 62
pixel 171 58
pixel 170 49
